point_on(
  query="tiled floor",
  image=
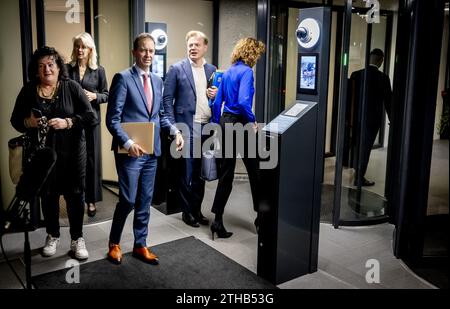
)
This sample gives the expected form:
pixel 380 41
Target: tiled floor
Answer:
pixel 343 252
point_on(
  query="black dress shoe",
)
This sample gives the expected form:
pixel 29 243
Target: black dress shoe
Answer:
pixel 91 210
pixel 365 183
pixel 189 220
pixel 200 218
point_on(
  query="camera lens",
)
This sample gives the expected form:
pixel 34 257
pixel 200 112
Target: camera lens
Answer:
pixel 161 39
pixel 302 33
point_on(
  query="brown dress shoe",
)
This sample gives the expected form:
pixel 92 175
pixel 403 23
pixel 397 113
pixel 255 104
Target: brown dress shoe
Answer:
pixel 115 254
pixel 144 254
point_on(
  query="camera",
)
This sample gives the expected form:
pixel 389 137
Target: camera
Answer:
pixel 302 34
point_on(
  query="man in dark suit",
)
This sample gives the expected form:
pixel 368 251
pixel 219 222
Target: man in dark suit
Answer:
pixel 135 96
pixel 186 103
pixel 378 93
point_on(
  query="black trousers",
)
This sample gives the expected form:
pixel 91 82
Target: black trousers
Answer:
pixel 369 139
pixel 227 167
pixel 190 186
pixel 75 213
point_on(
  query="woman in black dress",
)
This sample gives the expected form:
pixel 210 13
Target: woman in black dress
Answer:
pixel 84 69
pixel 64 104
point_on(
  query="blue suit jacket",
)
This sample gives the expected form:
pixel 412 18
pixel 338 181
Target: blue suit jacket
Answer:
pixel 179 92
pixel 127 103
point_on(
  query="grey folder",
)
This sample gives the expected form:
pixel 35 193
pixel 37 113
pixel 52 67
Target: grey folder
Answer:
pixel 141 133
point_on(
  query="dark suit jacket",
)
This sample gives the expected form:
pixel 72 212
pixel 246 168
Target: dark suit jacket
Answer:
pixel 127 103
pixel 179 92
pixel 379 93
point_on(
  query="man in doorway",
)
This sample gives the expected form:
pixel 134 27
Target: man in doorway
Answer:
pixel 378 93
pixel 186 101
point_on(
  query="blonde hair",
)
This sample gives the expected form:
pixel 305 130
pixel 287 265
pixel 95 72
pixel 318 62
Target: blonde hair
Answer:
pixel 197 34
pixel 248 50
pixel 88 42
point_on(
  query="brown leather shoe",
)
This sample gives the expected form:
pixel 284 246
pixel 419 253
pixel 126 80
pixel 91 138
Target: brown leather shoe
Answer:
pixel 115 254
pixel 144 254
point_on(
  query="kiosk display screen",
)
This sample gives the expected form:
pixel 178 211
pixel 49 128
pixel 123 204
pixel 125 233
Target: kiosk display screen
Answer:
pixel 307 73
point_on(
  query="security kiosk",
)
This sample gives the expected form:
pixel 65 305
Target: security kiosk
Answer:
pixel 289 208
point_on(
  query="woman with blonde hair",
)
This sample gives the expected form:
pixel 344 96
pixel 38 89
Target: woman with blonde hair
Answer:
pixel 236 95
pixel 84 69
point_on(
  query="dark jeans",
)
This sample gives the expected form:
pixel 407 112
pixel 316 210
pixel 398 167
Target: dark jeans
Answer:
pixel 227 167
pixel 75 212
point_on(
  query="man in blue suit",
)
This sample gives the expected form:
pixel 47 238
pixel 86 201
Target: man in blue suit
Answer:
pixel 135 96
pixel 186 102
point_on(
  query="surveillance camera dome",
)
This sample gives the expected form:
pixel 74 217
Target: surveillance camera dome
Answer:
pixel 160 38
pixel 308 33
pixel 302 34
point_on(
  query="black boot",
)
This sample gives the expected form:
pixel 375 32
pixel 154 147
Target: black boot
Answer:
pixel 218 228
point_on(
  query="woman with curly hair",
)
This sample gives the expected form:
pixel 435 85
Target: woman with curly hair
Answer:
pixel 235 94
pixel 51 94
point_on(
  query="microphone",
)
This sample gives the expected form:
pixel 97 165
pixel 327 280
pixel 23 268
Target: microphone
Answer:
pixel 35 173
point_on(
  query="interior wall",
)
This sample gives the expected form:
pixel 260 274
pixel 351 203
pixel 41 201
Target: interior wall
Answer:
pixel 114 51
pixel 357 52
pixel 291 59
pixel 11 77
pixel 181 17
pixel 237 19
pixel 331 72
pixel 55 21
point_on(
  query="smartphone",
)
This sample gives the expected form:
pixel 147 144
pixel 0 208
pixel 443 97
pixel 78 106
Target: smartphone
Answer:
pixel 36 113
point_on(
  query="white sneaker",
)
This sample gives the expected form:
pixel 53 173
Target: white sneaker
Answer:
pixel 79 250
pixel 50 245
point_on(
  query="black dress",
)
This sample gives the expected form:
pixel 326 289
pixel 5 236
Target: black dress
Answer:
pixel 93 81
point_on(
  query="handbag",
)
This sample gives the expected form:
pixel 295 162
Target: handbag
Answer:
pixel 17 151
pixel 209 168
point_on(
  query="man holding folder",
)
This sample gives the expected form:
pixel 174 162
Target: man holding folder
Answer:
pixel 135 97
